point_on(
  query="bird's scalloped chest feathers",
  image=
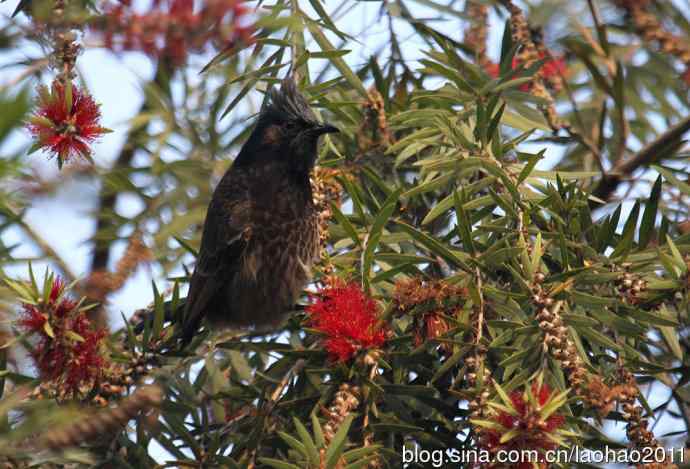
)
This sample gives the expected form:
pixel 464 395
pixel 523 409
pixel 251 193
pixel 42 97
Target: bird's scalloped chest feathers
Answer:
pixel 260 237
pixel 282 247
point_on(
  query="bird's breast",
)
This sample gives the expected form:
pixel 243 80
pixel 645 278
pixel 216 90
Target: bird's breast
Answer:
pixel 282 246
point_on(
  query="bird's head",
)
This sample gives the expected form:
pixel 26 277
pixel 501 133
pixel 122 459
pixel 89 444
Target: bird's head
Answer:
pixel 286 129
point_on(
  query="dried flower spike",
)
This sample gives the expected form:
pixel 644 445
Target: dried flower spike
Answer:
pixel 66 121
pixel 430 301
pixel 348 318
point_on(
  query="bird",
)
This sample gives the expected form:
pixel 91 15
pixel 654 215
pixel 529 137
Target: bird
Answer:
pixel 260 235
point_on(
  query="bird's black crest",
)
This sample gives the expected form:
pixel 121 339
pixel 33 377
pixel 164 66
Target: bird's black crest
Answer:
pixel 288 102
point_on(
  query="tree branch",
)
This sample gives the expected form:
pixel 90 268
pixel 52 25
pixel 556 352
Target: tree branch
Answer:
pixel 107 199
pixel 648 155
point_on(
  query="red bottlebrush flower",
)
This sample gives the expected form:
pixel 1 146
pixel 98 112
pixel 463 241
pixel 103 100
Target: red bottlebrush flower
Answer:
pixel 526 419
pixel 170 29
pixel 65 122
pixel 32 320
pixel 554 65
pixel 493 69
pixel 348 318
pixel 68 349
pixel 551 70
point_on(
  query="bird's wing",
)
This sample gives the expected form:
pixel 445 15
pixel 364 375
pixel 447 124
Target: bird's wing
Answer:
pixel 223 241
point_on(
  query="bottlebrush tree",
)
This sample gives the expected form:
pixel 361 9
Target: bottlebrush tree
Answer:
pixel 505 241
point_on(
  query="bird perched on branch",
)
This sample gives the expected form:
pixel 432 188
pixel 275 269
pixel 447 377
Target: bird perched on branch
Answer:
pixel 260 237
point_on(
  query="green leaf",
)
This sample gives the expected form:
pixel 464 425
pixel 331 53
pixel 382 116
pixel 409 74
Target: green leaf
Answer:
pixel 335 448
pixel 318 8
pixel 74 336
pixel 158 313
pixel 447 365
pixel 677 256
pixel 445 205
pixel 670 177
pixel 358 453
pixel 346 225
pixel 553 404
pixel 13 111
pixel 277 463
pixel 294 443
pixel 318 431
pixel 433 245
pixel 362 463
pixel 585 299
pixel 598 337
pixel 48 329
pixel 463 225
pixel 338 61
pixel 649 216
pixel 68 96
pixel 509 435
pixel 374 236
pixel 670 335
pixel 489 424
pixel 628 236
pixel 307 441
pixel 504 397
pixel 655 319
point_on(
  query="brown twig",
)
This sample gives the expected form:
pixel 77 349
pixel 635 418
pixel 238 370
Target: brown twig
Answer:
pixel 292 372
pixel 648 155
pixel 34 67
pixel 107 199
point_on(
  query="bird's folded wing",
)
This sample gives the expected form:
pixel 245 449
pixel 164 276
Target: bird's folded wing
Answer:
pixel 223 241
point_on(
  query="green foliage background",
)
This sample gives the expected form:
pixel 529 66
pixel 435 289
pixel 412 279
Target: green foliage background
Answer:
pixel 449 191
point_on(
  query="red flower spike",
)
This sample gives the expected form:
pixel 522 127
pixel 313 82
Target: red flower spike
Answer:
pixel 65 122
pixel 349 320
pixel 554 66
pixel 68 349
pixel 32 320
pixel 171 28
pixel 493 70
pixel 533 429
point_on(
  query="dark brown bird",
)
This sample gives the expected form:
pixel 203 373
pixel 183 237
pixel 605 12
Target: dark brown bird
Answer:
pixel 260 237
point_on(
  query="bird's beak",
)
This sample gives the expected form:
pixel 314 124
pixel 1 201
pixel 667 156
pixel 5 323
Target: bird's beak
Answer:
pixel 326 129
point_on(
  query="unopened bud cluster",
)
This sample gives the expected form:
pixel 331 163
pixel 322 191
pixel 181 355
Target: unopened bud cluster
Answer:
pixel 629 287
pixel 556 339
pixel 636 428
pixel 591 389
pixel 476 374
pixel 65 53
pixel 325 191
pixel 346 399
